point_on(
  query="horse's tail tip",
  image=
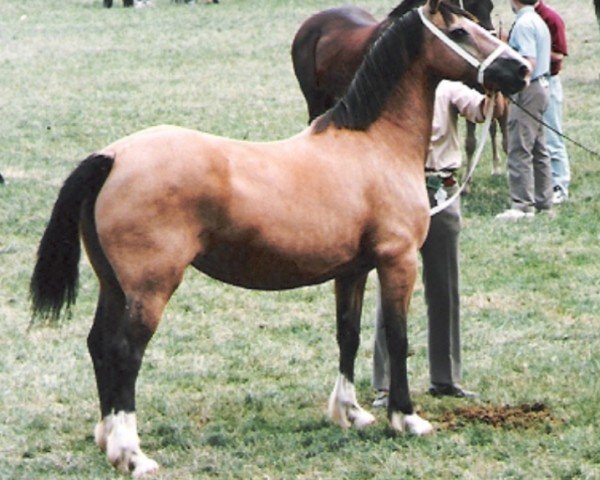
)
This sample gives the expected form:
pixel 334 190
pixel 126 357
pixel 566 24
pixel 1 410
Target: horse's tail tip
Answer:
pixel 49 309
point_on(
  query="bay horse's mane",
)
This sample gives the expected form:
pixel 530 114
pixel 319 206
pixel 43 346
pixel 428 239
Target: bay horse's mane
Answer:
pixel 382 68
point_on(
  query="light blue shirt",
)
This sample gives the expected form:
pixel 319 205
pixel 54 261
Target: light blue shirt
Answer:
pixel 531 38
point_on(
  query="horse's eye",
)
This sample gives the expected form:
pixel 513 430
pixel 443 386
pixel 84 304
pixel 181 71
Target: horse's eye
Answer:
pixel 458 34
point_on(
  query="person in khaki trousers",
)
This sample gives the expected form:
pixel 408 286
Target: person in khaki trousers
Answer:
pixel 440 250
pixel 529 169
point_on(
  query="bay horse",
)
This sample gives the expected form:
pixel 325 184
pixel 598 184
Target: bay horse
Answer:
pixel 344 196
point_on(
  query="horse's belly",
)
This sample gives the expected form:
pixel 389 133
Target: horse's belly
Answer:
pixel 267 270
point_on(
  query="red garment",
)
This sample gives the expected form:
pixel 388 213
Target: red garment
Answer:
pixel 558 33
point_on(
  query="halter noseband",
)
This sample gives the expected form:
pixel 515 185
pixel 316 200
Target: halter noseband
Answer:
pixel 480 66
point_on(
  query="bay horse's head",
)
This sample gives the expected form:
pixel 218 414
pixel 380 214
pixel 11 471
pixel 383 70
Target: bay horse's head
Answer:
pixel 482 60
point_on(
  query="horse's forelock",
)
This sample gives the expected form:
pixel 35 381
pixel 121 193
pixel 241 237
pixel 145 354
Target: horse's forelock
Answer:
pixel 449 10
pixel 404 7
pixel 446 7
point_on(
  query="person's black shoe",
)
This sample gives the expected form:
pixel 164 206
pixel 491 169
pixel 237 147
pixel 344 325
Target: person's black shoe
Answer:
pixel 451 391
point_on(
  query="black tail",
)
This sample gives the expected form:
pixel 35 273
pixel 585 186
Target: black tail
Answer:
pixel 54 279
pixel 597 8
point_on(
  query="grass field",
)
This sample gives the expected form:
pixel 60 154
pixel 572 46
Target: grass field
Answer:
pixel 235 383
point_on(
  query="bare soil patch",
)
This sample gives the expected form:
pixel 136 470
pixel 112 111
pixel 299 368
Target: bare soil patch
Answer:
pixel 521 416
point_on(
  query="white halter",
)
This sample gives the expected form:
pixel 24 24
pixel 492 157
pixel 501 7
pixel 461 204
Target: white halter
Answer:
pixel 481 66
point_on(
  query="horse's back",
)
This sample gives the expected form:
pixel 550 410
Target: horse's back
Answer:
pixel 327 50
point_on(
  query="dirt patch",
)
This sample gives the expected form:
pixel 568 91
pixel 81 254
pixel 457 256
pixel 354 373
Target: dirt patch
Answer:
pixel 499 416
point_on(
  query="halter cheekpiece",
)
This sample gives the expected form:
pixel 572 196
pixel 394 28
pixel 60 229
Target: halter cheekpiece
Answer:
pixel 480 66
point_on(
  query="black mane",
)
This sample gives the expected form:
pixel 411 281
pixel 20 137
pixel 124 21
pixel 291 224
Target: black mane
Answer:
pixel 382 68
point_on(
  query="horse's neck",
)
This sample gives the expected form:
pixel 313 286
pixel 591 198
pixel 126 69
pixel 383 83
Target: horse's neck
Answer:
pixel 405 122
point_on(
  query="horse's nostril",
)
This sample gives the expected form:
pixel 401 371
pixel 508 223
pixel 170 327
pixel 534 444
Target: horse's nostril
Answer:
pixel 524 71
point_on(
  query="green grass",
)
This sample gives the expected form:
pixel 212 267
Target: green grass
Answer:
pixel 235 383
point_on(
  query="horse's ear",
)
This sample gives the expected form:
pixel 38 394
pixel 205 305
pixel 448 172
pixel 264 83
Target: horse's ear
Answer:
pixel 433 6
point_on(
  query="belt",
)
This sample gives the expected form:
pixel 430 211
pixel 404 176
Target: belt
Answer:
pixel 440 173
pixel 545 75
pixel 437 179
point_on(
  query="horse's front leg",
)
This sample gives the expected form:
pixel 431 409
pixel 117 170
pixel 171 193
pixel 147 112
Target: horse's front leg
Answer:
pixel 470 145
pixel 496 163
pixel 343 405
pixel 397 277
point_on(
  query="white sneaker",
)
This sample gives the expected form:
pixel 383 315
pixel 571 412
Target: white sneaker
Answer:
pixel 381 399
pixel 560 196
pixel 514 214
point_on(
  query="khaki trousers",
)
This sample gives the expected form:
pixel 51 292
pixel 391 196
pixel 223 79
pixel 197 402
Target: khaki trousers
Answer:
pixel 529 168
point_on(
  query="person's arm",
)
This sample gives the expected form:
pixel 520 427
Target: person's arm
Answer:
pixel 472 105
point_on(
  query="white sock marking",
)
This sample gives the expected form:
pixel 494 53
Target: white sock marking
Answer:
pixel 343 407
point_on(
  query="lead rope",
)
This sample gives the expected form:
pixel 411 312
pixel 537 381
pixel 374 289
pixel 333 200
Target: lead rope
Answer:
pixel 480 66
pixel 482 140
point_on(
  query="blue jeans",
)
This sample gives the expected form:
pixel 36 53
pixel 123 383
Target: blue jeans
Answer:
pixel 559 160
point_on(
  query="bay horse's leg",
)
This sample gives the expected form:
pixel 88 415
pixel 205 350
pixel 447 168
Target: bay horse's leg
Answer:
pixel 107 308
pixel 470 145
pixel 343 406
pixel 499 124
pixel 397 278
pixel 495 152
pixel 123 325
pixel 121 331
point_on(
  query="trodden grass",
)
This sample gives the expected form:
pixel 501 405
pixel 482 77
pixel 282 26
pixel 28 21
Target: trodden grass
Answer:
pixel 234 385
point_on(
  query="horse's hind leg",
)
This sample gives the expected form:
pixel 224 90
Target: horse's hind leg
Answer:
pixel 121 331
pixel 123 325
pixel 343 405
pixel 108 308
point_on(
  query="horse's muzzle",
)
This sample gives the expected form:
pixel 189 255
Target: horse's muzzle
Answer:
pixel 508 75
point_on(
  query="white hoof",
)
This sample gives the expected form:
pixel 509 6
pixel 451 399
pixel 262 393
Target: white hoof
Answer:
pixel 343 407
pixel 143 465
pixel 360 417
pixel 122 445
pixel 413 424
pixel 417 425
